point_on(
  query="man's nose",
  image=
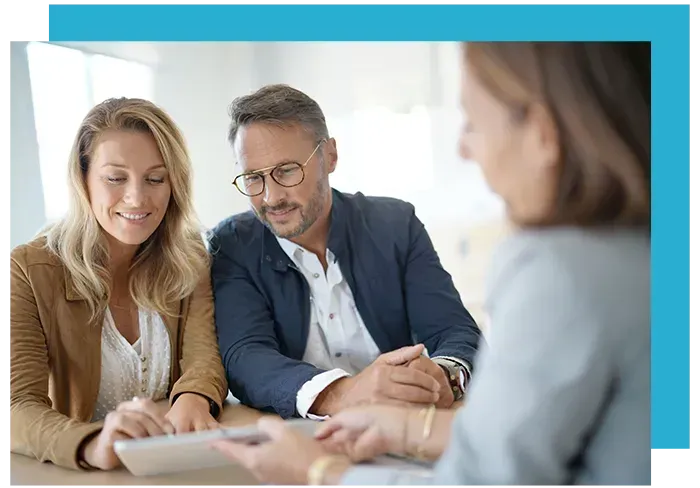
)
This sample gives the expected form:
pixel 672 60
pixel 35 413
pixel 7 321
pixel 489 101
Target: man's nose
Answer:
pixel 274 192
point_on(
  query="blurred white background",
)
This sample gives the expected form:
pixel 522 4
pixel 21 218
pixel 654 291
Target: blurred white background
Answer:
pixel 393 108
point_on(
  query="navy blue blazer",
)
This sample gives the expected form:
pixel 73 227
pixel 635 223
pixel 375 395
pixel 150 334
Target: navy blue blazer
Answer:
pixel 262 302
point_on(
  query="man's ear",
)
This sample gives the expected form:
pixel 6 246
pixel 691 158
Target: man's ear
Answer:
pixel 330 154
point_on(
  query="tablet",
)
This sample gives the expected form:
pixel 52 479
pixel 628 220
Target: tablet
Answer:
pixel 184 452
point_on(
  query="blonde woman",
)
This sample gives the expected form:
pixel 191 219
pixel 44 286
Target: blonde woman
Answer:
pixel 111 308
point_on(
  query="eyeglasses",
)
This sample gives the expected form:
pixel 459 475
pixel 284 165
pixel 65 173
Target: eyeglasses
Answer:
pixel 285 174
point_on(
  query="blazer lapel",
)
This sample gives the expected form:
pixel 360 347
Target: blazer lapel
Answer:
pixel 87 336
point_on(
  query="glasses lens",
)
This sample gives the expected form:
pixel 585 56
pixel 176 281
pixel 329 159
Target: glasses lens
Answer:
pixel 290 174
pixel 249 185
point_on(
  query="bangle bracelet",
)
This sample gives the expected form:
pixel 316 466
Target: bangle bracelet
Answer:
pixel 318 469
pixel 429 414
pixel 85 465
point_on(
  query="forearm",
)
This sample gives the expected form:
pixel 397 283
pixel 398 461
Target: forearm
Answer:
pixel 86 451
pixel 204 388
pixel 383 476
pixel 47 435
pixel 264 378
pixel 338 470
pixel 461 346
pixel 213 405
pixel 335 472
pixel 331 400
pixel 428 438
pixel 202 370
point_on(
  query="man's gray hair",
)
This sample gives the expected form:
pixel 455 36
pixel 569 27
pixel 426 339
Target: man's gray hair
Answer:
pixel 279 105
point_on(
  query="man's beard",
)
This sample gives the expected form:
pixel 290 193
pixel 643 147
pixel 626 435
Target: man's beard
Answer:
pixel 309 214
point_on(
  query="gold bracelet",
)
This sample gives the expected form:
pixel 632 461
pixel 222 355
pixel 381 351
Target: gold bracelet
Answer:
pixel 429 414
pixel 318 469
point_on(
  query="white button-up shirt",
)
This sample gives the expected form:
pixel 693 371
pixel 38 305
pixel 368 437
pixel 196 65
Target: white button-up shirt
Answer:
pixel 338 341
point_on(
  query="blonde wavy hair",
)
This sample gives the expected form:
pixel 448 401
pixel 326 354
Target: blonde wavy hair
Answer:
pixel 170 263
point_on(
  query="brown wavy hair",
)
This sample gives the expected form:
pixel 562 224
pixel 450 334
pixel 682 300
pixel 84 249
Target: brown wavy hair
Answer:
pixel 599 94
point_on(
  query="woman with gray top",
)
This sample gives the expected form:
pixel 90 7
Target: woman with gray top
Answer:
pixel 562 393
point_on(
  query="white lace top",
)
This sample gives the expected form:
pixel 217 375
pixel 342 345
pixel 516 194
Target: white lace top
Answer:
pixel 141 369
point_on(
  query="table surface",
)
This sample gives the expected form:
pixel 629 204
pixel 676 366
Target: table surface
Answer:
pixel 28 471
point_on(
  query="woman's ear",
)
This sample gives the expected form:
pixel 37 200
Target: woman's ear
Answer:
pixel 541 137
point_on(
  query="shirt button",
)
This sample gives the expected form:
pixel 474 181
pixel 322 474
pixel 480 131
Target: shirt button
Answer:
pixel 338 354
pixel 144 369
pixel 143 390
pixel 331 316
pixel 316 275
pixel 143 359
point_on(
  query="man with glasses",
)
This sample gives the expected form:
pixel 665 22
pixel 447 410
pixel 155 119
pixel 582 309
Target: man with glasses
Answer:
pixel 325 300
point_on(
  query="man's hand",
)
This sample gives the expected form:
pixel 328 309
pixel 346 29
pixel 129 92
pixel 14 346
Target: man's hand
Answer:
pixel 428 366
pixel 387 380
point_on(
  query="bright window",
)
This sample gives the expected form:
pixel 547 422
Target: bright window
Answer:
pixel 383 152
pixel 66 83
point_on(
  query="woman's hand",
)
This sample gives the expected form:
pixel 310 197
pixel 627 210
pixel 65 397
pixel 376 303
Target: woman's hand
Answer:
pixel 364 433
pixel 283 460
pixel 132 420
pixel 191 412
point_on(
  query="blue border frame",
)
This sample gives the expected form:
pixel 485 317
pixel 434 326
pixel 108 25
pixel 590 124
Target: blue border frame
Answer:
pixel 667 27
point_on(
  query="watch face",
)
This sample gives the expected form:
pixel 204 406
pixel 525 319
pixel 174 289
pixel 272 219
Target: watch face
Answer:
pixel 462 379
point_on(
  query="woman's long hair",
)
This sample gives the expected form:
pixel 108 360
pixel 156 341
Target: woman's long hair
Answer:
pixel 169 264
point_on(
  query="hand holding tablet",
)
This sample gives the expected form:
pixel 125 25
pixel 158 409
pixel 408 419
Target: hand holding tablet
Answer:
pixel 183 452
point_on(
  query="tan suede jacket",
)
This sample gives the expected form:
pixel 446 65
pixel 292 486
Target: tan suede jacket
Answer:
pixel 56 356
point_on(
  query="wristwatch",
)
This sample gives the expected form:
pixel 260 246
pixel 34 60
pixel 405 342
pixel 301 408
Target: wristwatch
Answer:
pixel 456 377
pixel 213 407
